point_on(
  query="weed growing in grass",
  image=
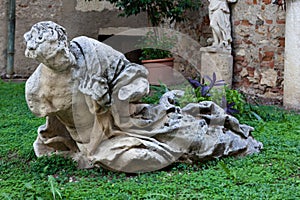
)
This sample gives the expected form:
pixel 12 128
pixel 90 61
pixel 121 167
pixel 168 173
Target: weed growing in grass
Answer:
pixel 53 188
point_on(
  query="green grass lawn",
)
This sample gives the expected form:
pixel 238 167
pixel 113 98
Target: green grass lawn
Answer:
pixel 272 174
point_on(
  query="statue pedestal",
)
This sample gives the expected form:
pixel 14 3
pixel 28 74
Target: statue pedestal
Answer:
pixel 291 98
pixel 218 61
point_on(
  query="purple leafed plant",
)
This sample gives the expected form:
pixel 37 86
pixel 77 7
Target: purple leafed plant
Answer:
pixel 204 88
pixel 228 107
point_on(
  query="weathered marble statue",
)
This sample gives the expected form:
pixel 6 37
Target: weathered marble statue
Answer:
pixel 219 15
pixel 89 94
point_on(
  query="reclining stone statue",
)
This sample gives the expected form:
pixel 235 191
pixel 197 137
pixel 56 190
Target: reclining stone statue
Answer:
pixel 89 94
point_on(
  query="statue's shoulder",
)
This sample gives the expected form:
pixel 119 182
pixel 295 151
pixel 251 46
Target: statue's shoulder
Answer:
pixel 81 39
pixel 84 40
pixel 87 44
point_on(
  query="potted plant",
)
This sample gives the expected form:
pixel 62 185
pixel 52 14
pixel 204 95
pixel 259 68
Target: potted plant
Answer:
pixel 156 56
pixel 157 45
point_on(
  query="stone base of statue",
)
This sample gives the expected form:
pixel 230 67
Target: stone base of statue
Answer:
pixel 219 61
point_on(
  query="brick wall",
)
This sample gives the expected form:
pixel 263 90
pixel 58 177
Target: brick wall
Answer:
pixel 258 29
pixel 258 48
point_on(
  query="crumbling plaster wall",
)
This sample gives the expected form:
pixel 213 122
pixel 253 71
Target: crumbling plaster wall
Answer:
pixel 3 35
pixel 28 12
pixel 77 16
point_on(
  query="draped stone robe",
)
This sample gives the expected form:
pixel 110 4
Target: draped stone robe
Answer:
pixel 95 116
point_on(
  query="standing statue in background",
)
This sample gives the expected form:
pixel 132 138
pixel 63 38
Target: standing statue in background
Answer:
pixel 281 4
pixel 219 15
pixel 90 95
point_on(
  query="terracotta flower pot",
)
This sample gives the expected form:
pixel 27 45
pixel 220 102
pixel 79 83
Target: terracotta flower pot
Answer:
pixel 160 70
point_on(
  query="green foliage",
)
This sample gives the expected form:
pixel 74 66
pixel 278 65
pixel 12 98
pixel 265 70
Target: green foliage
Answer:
pixel 54 164
pixel 151 53
pixel 263 113
pixel 193 95
pixel 188 97
pixel 231 100
pixel 157 10
pixel 234 96
pixel 272 174
pixel 155 94
pixel 156 46
pixel 206 88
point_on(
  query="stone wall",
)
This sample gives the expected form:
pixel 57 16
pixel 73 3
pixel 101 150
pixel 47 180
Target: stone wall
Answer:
pixel 258 29
pixel 259 42
pixel 292 54
pixel 77 16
